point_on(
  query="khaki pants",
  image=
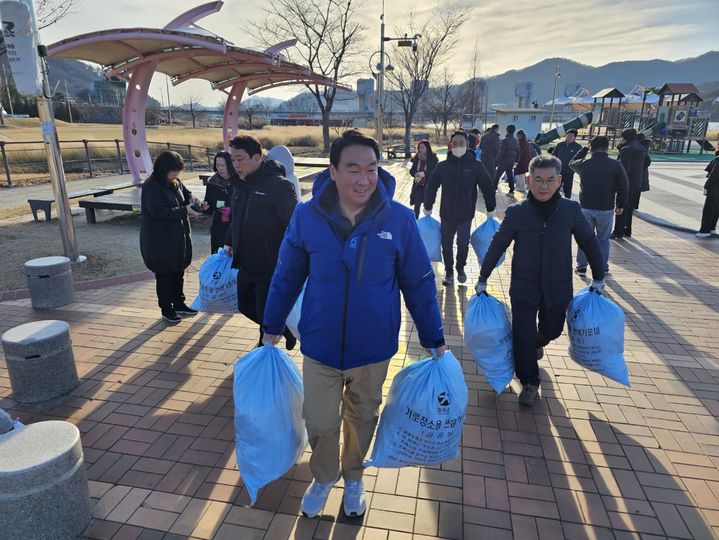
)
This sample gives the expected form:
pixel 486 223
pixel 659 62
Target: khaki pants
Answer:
pixel 326 406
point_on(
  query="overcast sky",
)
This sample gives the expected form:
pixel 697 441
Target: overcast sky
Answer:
pixel 510 34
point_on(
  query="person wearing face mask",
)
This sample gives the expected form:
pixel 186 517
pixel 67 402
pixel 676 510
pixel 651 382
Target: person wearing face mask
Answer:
pixel 423 164
pixel 541 227
pixel 459 176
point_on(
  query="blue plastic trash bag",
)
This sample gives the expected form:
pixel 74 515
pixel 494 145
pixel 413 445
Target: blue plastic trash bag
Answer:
pixel 595 326
pixel 431 234
pixel 218 285
pixel 421 424
pixel 488 336
pixel 270 434
pixel 293 319
pixel 482 237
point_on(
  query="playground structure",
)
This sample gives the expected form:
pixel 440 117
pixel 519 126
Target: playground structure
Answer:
pixel 679 121
pixel 610 115
pixel 581 121
pixel 182 50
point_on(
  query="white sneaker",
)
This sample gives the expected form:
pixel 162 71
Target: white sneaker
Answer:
pixel 703 235
pixel 315 497
pixel 355 502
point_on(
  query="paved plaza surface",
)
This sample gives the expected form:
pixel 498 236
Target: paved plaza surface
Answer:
pixel 593 459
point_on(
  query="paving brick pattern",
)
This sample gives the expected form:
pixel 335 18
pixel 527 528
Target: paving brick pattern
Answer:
pixel 593 459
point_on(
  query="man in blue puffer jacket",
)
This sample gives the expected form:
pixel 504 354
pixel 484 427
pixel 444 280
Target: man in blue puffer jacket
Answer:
pixel 357 249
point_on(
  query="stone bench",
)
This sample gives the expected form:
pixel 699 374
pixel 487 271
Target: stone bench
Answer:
pixel 49 280
pixel 39 359
pixel 43 483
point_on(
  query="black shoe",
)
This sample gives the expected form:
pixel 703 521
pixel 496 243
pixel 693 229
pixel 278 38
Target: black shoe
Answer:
pixel 581 271
pixel 616 236
pixel 461 276
pixel 529 395
pixel 171 316
pixel 540 353
pixel 184 309
pixel 448 281
pixel 290 341
pixel 628 234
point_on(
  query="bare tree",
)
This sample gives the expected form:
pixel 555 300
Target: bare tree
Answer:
pixel 413 68
pixel 328 38
pixel 49 12
pixel 441 105
pixel 252 108
pixel 192 105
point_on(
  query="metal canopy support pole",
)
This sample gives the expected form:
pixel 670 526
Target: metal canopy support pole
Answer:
pixel 232 107
pixel 57 172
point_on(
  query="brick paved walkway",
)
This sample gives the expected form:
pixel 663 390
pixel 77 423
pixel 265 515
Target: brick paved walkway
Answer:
pixel 592 460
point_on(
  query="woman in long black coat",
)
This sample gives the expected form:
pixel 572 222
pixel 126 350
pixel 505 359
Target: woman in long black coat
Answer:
pixel 217 200
pixel 165 238
pixel 423 164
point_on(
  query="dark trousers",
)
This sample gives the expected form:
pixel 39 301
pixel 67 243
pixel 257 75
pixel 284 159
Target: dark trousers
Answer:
pixel 218 231
pixel 527 335
pixel 710 213
pixel 252 296
pixel 449 230
pixel 623 223
pixel 567 183
pixel 502 169
pixel 169 289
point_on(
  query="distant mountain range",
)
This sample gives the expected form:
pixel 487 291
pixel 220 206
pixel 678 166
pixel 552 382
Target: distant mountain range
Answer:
pixel 702 70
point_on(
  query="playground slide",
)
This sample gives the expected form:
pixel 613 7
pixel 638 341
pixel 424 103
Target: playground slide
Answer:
pixel 706 145
pixel 580 121
pixel 653 128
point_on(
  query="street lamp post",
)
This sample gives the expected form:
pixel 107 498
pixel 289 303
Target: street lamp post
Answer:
pixel 403 42
pixel 557 75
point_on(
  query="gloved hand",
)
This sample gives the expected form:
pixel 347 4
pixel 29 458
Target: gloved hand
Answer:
pixel 481 287
pixel 597 285
pixel 490 213
pixel 426 212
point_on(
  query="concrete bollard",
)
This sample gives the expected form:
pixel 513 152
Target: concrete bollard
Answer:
pixel 49 280
pixel 39 360
pixel 43 483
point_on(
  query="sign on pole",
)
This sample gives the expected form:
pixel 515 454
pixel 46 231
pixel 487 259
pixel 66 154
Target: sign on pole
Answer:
pixel 18 27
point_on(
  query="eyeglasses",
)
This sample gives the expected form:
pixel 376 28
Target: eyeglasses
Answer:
pixel 543 183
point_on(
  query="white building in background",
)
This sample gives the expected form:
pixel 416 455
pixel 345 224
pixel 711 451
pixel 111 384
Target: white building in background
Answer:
pixel 529 120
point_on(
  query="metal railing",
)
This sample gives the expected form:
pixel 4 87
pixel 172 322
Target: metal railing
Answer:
pixel 96 157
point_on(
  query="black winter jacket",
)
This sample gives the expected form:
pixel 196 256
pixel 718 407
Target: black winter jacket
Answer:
pixel 565 153
pixel 508 151
pixel 632 157
pixel 417 193
pixel 459 178
pixel 218 194
pixel 262 206
pixel 603 181
pixel 712 183
pixel 489 144
pixel 542 261
pixel 165 241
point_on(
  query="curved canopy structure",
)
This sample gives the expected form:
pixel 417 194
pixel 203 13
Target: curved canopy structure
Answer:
pixel 183 51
